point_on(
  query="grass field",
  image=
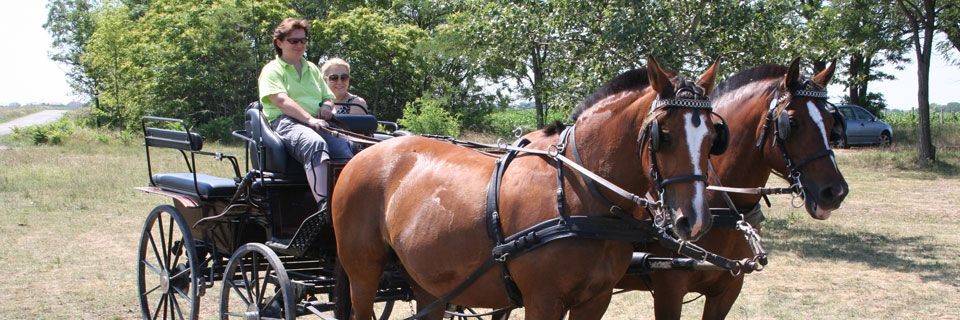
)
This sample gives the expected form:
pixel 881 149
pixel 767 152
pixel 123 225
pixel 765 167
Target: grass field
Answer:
pixel 70 222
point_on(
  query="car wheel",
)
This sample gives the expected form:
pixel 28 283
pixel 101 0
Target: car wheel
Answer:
pixel 842 143
pixel 885 139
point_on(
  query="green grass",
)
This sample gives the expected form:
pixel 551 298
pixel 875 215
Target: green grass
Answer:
pixel 70 225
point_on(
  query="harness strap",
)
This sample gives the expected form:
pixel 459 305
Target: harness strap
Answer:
pixel 494 228
pixel 823 153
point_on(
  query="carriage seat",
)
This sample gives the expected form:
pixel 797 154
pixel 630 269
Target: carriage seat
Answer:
pixel 207 185
pixel 275 162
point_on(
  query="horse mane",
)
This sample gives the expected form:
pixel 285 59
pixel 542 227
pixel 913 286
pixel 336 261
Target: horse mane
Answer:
pixel 554 128
pixel 635 79
pixel 743 78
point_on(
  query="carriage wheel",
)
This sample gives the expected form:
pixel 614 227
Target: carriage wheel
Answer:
pixel 256 286
pixel 341 297
pixel 463 313
pixel 167 273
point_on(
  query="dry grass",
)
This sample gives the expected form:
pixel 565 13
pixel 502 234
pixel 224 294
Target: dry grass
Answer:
pixel 70 222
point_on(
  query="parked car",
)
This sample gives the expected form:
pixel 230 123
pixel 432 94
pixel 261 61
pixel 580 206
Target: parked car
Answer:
pixel 863 128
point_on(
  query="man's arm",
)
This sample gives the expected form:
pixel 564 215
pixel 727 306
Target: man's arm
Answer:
pixel 290 108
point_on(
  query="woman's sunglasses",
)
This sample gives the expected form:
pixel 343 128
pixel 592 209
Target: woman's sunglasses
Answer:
pixel 338 77
pixel 297 40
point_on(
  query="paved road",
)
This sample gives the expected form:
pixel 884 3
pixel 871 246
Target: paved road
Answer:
pixel 32 119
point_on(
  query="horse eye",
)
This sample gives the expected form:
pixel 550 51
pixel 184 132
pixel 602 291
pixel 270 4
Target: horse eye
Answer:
pixel 664 139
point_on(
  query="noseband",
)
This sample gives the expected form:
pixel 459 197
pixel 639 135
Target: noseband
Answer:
pixel 777 114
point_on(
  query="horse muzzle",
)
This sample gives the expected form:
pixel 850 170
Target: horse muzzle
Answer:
pixel 690 224
pixel 822 200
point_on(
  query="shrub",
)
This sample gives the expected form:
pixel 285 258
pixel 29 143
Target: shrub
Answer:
pixel 52 133
pixel 426 115
pixel 219 129
pixel 502 123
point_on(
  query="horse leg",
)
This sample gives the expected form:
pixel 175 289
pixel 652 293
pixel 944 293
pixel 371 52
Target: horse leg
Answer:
pixel 668 299
pixel 424 299
pixel 717 306
pixel 547 308
pixel 592 309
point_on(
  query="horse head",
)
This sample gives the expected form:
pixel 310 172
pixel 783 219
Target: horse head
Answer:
pixel 796 139
pixel 655 131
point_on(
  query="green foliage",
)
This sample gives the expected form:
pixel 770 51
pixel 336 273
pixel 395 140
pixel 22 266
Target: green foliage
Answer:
pixel 384 69
pixel 426 115
pixel 503 122
pixel 52 133
pixel 199 59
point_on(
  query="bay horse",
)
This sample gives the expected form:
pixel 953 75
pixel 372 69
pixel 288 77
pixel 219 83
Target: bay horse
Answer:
pixel 421 202
pixel 778 124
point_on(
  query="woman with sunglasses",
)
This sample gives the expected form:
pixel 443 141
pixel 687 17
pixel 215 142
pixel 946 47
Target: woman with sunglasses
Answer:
pixel 297 102
pixel 336 72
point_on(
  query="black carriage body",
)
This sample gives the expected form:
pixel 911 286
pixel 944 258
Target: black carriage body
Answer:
pixel 255 220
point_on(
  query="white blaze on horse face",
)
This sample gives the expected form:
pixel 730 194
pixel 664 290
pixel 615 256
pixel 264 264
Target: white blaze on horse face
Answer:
pixel 695 138
pixel 818 119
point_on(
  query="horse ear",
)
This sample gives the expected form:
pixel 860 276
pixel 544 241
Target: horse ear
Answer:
pixel 824 76
pixel 658 80
pixel 792 79
pixel 709 77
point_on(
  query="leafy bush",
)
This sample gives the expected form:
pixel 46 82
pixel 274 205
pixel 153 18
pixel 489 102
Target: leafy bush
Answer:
pixel 426 115
pixel 502 123
pixel 219 129
pixel 52 133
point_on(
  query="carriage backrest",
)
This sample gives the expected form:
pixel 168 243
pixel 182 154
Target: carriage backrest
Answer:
pixel 274 158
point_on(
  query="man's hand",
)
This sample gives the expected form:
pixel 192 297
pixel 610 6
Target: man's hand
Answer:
pixel 316 124
pixel 325 114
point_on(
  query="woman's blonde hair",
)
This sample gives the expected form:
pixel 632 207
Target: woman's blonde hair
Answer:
pixel 334 62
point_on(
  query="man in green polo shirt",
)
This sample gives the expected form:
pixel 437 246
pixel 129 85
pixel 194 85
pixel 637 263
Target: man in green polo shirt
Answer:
pixel 297 102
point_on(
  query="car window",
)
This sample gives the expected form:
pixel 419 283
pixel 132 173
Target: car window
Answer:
pixel 847 113
pixel 863 114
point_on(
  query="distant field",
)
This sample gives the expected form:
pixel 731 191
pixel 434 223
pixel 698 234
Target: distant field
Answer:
pixel 70 223
pixel 10 113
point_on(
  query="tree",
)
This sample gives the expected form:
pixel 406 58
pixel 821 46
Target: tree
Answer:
pixel 70 24
pixel 922 24
pixel 871 37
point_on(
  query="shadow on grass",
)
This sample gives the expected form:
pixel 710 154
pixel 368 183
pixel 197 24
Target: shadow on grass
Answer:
pixel 916 254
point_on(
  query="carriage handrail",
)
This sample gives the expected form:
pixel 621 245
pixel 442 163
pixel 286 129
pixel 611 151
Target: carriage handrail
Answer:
pixel 191 141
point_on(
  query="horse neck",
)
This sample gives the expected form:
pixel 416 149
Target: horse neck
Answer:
pixel 606 138
pixel 743 165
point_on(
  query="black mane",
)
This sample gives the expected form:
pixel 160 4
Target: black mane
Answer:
pixel 748 76
pixel 635 79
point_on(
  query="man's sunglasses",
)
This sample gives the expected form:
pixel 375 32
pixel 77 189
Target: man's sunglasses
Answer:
pixel 338 77
pixel 297 40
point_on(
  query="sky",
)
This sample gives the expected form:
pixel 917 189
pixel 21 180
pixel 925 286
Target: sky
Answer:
pixel 29 76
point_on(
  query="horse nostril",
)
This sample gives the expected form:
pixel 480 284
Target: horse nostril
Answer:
pixel 833 191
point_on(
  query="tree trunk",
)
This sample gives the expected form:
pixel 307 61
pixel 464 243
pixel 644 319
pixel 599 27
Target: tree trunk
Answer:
pixel 856 79
pixel 922 20
pixel 537 53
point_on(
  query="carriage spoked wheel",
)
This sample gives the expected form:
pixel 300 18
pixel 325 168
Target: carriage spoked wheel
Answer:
pixel 341 297
pixel 167 273
pixel 256 286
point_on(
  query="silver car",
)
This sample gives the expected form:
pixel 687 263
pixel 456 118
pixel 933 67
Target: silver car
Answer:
pixel 863 127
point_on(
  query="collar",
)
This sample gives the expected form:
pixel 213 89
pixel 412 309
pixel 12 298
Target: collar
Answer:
pixel 284 63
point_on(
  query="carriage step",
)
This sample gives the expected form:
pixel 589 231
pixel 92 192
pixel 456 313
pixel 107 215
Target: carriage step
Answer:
pixel 303 239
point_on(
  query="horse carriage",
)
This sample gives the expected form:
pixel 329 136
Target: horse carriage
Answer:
pixel 260 235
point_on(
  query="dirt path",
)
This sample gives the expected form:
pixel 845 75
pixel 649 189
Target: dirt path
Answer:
pixel 41 117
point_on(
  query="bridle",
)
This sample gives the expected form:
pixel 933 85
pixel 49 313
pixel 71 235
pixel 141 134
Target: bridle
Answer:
pixel 777 115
